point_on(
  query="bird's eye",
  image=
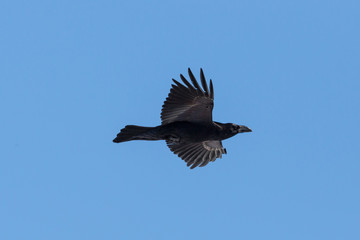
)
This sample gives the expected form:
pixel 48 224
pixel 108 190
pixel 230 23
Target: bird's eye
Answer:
pixel 234 128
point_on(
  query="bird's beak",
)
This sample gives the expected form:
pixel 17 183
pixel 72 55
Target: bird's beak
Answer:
pixel 244 129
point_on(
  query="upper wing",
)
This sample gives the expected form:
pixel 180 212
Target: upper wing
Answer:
pixel 200 153
pixel 189 103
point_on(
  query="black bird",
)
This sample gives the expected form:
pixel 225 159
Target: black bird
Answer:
pixel 187 125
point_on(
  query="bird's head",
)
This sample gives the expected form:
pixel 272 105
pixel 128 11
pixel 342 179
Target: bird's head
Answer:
pixel 231 129
pixel 239 128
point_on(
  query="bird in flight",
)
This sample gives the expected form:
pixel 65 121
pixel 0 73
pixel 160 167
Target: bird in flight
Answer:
pixel 187 125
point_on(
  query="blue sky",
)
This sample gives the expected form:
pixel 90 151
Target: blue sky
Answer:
pixel 73 73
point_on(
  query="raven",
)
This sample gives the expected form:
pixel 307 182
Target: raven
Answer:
pixel 187 125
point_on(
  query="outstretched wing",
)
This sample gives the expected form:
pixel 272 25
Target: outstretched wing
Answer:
pixel 198 154
pixel 189 103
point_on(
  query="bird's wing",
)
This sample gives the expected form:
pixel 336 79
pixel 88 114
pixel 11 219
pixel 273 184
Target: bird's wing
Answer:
pixel 189 103
pixel 198 154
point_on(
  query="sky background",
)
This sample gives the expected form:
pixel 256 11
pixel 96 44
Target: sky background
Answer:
pixel 73 73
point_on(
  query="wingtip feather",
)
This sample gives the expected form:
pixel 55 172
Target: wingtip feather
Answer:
pixel 194 82
pixel 203 82
pixel 211 90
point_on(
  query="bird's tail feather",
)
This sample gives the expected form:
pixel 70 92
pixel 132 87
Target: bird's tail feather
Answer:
pixel 132 132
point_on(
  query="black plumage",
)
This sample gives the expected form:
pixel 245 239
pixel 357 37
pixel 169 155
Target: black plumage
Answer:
pixel 187 125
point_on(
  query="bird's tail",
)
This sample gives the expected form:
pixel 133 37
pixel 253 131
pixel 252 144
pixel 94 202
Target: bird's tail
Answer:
pixel 132 132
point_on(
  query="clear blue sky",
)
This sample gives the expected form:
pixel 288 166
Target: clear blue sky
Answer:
pixel 73 73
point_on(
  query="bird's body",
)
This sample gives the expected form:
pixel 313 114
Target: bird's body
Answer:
pixel 187 125
pixel 180 132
